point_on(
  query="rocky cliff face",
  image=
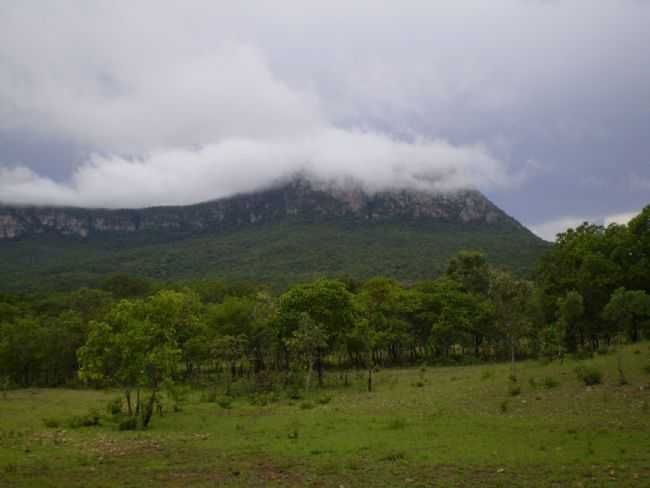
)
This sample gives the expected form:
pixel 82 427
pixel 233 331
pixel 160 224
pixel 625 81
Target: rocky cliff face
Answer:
pixel 298 199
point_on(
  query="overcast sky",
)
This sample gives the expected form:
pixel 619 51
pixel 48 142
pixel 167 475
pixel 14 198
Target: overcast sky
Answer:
pixel 542 105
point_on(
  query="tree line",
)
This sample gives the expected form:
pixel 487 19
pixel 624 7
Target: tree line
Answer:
pixel 591 288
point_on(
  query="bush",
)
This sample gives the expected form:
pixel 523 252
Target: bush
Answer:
pixel 90 419
pixel 582 355
pixel 51 423
pixel 603 350
pixel 262 399
pixel 130 423
pixel 646 368
pixel 224 402
pixel 210 396
pixel 589 375
pixel 306 406
pixel 114 406
pixel 294 392
pixel 550 382
pixel 504 406
pixel 324 400
pixel 396 424
pixel 514 390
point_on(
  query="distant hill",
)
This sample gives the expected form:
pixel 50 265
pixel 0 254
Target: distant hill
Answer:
pixel 293 231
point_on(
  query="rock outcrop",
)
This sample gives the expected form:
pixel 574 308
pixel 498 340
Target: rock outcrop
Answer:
pixel 298 199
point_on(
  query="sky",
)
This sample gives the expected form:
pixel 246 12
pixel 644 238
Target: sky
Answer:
pixel 543 105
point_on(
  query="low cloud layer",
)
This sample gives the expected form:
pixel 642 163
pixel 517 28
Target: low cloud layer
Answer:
pixel 185 176
pixel 549 230
pixel 117 103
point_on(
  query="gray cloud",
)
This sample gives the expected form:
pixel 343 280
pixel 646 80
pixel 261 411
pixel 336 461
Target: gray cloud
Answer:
pixel 171 103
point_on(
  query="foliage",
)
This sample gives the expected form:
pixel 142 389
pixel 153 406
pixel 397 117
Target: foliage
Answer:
pixel 589 375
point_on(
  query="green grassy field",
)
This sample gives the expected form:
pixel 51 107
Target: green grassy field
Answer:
pixel 434 427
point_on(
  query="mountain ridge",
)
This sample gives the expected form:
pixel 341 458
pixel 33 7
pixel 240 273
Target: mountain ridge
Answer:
pixel 299 198
pixel 291 232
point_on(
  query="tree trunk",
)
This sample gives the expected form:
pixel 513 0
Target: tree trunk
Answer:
pixel 129 408
pixel 513 370
pixel 370 379
pixel 308 379
pixel 319 365
pixel 148 411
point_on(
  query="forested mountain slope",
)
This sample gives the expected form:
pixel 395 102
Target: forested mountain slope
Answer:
pixel 292 231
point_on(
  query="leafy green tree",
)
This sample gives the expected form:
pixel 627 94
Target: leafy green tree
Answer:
pixel 22 350
pixel 230 350
pixel 470 269
pixel 305 344
pixel 328 303
pixel 570 315
pixel 131 350
pixel 382 303
pixel 629 310
pixel 512 301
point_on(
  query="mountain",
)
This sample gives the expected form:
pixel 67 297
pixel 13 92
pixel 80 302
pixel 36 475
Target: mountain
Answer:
pixel 294 230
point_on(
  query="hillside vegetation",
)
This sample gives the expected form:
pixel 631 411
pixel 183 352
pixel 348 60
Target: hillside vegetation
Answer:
pixel 296 231
pixel 278 254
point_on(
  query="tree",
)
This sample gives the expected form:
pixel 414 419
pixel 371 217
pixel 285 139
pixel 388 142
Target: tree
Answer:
pixel 629 310
pixel 470 269
pixel 305 344
pixel 512 300
pixel 381 301
pixel 328 303
pixel 133 351
pixel 570 312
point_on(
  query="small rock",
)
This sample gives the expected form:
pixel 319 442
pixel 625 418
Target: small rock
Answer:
pixel 500 470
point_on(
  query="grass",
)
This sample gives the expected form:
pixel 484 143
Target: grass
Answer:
pixel 451 433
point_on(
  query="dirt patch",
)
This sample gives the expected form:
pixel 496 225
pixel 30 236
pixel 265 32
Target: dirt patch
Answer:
pixel 108 446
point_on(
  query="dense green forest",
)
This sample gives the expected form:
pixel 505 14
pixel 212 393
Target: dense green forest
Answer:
pixel 590 290
pixel 277 254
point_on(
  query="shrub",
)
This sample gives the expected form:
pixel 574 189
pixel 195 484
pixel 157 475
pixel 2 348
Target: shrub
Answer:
pixel 114 406
pixel 514 390
pixel 51 423
pixel 130 423
pixel 324 400
pixel 90 419
pixel 646 368
pixel 418 384
pixel 504 406
pixel 582 355
pixel 550 382
pixel 393 456
pixel 224 402
pixel 210 396
pixel 396 424
pixel 306 405
pixel 589 375
pixel 294 392
pixel 532 382
pixel 603 350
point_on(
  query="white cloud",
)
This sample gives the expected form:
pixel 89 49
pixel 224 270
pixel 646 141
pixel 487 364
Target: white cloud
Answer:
pixel 188 101
pixel 620 218
pixel 549 230
pixel 182 176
